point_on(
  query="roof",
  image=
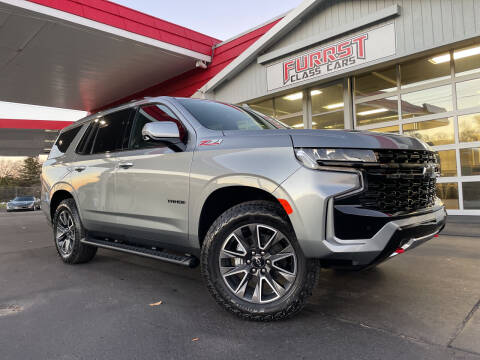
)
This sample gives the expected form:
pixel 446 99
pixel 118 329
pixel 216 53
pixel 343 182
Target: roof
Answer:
pixel 100 72
pixel 33 124
pixel 84 54
pixel 121 17
pixel 188 83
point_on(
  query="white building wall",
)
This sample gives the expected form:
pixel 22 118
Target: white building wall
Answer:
pixel 420 26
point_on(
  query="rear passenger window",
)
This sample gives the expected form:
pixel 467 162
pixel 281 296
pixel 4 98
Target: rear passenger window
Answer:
pixel 110 132
pixel 85 144
pixel 63 142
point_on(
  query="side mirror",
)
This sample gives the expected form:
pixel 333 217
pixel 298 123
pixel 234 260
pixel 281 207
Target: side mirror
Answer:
pixel 160 131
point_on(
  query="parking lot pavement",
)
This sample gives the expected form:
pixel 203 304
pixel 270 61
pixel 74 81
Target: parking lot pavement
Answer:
pixel 423 304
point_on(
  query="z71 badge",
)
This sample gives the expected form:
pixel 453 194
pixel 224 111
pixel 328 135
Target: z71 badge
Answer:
pixel 211 142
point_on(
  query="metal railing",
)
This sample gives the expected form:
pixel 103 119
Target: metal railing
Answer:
pixel 7 193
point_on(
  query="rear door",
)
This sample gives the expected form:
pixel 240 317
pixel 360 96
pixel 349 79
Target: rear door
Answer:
pixel 152 182
pixel 93 172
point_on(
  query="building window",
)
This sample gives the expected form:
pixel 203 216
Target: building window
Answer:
pixel 328 107
pixel 469 128
pixel 388 129
pixel 376 83
pixel 470 161
pixel 467 60
pixel 425 102
pixel 424 71
pixel 448 192
pixel 471 195
pixel 429 99
pixel 433 132
pixel 433 94
pixel 265 107
pixel 468 94
pixel 377 111
pixel 287 108
pixel 289 104
pixel 295 122
pixel 448 163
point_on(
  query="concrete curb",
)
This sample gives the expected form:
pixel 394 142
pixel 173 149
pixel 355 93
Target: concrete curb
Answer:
pixel 462 226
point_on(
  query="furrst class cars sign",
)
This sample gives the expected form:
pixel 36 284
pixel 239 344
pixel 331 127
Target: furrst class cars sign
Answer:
pixel 327 59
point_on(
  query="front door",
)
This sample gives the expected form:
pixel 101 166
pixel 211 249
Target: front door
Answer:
pixel 152 183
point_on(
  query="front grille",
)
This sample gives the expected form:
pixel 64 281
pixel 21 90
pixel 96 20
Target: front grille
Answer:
pixel 401 181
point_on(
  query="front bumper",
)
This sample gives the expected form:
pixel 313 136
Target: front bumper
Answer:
pixel 19 207
pixel 402 235
pixel 311 194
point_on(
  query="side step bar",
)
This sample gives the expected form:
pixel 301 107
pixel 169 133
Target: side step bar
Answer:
pixel 184 260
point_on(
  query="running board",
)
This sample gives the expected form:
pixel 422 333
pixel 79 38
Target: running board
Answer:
pixel 184 260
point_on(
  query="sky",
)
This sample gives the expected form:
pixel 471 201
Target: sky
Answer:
pixel 221 19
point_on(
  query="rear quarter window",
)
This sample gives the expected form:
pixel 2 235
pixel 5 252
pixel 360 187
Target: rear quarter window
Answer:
pixel 63 142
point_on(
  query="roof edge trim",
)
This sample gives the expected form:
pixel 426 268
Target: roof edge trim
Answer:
pixel 34 124
pixel 279 29
pixel 252 29
pixel 380 15
pixel 79 20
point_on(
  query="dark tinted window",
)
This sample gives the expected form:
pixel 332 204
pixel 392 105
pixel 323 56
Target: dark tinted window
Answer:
pixel 152 113
pixel 24 198
pixel 85 144
pixel 110 132
pixel 64 141
pixel 218 116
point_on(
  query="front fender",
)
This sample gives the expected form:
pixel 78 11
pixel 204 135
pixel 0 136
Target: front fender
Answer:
pixel 197 201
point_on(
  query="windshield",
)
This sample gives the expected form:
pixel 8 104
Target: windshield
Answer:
pixel 219 116
pixel 24 198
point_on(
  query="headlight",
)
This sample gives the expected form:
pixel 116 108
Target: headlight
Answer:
pixel 314 158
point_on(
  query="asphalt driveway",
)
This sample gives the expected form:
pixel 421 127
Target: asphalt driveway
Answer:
pixel 420 305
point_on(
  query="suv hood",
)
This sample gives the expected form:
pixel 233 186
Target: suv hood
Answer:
pixel 331 139
pixel 354 139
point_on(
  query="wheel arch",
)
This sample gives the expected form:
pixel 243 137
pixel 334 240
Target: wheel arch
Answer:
pixel 223 198
pixel 59 193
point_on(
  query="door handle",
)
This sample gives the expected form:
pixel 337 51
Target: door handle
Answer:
pixel 125 165
pixel 79 168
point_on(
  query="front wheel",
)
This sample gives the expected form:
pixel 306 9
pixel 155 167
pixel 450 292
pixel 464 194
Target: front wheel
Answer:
pixel 253 265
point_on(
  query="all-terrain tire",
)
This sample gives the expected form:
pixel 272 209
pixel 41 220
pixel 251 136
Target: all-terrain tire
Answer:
pixel 79 252
pixel 272 215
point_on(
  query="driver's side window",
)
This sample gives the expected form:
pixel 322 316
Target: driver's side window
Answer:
pixel 151 113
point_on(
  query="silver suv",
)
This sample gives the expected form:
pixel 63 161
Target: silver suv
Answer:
pixel 260 206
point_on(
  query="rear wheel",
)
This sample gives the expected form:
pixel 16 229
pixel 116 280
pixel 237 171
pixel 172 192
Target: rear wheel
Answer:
pixel 68 231
pixel 253 265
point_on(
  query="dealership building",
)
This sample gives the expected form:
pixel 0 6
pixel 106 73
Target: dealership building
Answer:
pixel 405 67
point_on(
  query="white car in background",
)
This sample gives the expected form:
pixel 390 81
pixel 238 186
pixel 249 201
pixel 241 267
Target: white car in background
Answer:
pixel 23 203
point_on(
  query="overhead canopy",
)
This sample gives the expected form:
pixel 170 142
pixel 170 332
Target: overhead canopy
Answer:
pixel 15 142
pixel 58 58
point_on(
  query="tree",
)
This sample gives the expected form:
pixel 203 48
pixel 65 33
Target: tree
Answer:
pixel 8 171
pixel 29 173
